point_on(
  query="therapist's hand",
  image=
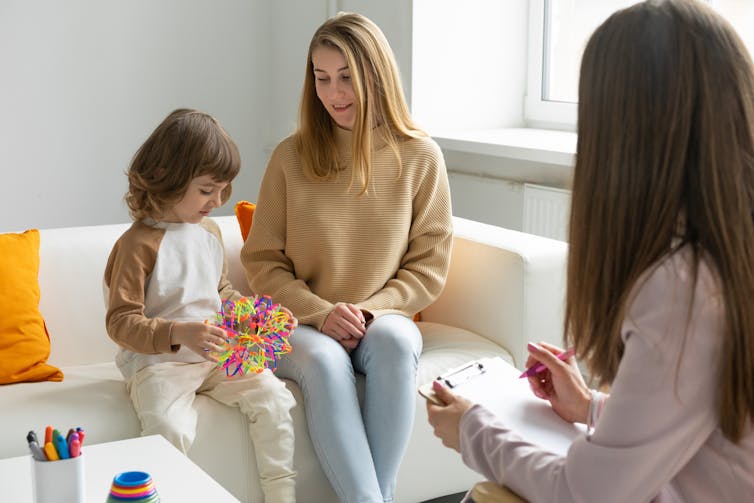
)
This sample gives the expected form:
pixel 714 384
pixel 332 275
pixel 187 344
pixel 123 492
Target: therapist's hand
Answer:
pixel 346 324
pixel 446 419
pixel 561 383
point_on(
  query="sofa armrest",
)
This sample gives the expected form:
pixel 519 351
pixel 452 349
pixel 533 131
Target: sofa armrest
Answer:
pixel 504 285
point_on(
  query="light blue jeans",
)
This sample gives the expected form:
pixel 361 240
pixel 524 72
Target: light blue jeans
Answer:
pixel 359 449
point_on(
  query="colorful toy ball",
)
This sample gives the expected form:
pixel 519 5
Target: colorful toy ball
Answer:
pixel 258 332
pixel 133 487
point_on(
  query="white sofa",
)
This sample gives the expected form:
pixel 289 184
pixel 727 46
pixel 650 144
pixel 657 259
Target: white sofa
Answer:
pixel 504 288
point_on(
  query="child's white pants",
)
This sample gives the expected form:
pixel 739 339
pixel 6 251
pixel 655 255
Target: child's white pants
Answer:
pixel 163 396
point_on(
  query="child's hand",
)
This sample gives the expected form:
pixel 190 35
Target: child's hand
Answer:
pixel 201 338
pixel 294 321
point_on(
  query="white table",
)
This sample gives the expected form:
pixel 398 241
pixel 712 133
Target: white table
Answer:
pixel 175 476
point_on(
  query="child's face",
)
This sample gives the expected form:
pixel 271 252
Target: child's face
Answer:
pixel 332 79
pixel 203 195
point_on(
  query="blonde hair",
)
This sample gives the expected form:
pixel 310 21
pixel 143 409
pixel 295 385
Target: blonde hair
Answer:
pixel 186 144
pixel 377 91
pixel 666 137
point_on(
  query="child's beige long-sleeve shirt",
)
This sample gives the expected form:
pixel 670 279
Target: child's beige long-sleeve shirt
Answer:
pixel 157 274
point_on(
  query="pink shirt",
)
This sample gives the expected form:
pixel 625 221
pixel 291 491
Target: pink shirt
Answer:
pixel 658 438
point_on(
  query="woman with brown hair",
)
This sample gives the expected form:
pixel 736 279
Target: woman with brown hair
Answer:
pixel 660 297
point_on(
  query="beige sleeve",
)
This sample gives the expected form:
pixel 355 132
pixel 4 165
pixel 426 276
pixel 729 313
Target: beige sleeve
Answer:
pixel 130 263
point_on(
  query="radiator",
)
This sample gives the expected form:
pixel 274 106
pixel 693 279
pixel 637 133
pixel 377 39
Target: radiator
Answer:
pixel 546 211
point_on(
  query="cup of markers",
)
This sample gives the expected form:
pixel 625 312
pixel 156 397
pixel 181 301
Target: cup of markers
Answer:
pixel 57 465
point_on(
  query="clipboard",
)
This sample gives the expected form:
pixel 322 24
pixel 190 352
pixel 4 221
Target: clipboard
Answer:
pixel 453 378
pixel 495 384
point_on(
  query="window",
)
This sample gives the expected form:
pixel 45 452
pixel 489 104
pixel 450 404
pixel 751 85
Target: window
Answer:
pixel 559 30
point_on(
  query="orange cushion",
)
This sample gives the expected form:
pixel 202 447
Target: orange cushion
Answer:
pixel 244 215
pixel 24 341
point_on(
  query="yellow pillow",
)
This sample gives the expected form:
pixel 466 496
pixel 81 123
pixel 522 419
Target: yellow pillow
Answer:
pixel 244 215
pixel 24 341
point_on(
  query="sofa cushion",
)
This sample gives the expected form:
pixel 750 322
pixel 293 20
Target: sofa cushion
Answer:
pixel 24 342
pixel 447 347
pixel 92 396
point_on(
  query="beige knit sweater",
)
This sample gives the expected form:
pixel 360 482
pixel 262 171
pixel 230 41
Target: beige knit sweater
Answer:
pixel 315 243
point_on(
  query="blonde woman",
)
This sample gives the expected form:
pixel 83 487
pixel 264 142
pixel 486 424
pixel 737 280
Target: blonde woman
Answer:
pixel 352 232
pixel 660 299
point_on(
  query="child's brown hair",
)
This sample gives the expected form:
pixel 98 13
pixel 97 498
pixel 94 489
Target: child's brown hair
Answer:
pixel 187 143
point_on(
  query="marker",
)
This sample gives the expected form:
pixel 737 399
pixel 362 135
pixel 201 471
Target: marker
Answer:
pixel 50 452
pixel 48 434
pixel 60 445
pixel 36 452
pixel 81 434
pixel 74 445
pixel 539 367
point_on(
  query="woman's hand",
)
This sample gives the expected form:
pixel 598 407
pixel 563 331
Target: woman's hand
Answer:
pixel 201 338
pixel 560 383
pixel 346 324
pixel 446 419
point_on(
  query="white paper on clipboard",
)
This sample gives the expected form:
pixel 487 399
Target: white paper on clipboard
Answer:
pixel 500 390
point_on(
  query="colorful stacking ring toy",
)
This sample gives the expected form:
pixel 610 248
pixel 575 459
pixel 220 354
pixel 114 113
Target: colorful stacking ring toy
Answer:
pixel 133 487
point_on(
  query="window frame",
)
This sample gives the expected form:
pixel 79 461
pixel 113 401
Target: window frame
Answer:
pixel 538 112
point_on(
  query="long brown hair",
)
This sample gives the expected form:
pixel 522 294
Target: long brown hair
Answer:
pixel 378 93
pixel 187 143
pixel 665 152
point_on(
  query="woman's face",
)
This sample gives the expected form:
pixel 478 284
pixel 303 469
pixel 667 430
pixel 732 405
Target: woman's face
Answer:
pixel 332 79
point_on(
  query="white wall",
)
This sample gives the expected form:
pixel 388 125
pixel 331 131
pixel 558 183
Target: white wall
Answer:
pixel 469 73
pixel 84 82
pixel 456 82
pixel 288 43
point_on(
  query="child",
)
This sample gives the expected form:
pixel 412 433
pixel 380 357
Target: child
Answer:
pixel 166 275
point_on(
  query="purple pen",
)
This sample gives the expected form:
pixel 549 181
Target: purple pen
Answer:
pixel 539 367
